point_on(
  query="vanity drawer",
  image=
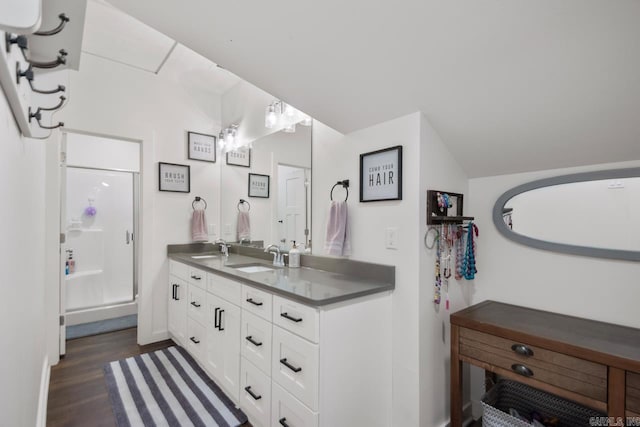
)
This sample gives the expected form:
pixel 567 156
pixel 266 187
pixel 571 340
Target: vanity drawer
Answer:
pixel 289 411
pixel 257 302
pixel 633 392
pixel 196 304
pixel 297 318
pixel 179 269
pixel 256 341
pixel 294 365
pixel 224 288
pixel 255 393
pixel 197 277
pixel 196 335
pixel 571 373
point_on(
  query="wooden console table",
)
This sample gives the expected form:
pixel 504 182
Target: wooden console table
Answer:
pixel 593 363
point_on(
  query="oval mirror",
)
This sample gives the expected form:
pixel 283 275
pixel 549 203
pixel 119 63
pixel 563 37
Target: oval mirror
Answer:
pixel 590 214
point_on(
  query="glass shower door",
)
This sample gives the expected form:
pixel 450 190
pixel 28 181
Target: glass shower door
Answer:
pixel 100 239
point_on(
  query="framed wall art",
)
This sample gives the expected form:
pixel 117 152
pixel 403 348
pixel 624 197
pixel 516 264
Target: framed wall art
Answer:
pixel 258 185
pixel 201 147
pixel 174 177
pixel 381 175
pixel 240 157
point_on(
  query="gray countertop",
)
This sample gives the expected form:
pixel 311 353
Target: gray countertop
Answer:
pixel 306 285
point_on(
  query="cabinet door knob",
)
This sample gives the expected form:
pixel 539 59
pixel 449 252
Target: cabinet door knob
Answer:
pixel 522 350
pixel 290 366
pixel 293 319
pixel 252 394
pixel 196 277
pixel 283 422
pixel 251 301
pixel 195 304
pixel 194 340
pixel 522 370
pixel 252 341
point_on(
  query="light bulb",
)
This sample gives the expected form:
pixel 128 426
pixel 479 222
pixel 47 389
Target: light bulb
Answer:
pixel 291 128
pixel 221 140
pixel 230 137
pixel 289 112
pixel 270 118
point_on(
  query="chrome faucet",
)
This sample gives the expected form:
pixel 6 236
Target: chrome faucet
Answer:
pixel 277 256
pixel 224 247
pixel 245 239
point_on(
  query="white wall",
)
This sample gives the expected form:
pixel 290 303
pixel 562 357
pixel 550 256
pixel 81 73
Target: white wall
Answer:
pixel 267 153
pixel 599 289
pixel 438 171
pixel 336 157
pixel 22 259
pixel 115 100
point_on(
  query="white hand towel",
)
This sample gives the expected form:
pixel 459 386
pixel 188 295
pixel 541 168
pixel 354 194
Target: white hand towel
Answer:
pixel 338 237
pixel 199 226
pixel 243 226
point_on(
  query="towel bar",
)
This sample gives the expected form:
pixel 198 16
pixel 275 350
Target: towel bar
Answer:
pixel 345 184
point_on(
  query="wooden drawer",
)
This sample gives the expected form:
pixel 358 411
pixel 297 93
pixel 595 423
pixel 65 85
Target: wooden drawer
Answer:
pixel 257 302
pixel 196 304
pixel 255 394
pixel 197 277
pixel 255 343
pixel 297 318
pixel 571 373
pixel 294 365
pixel 287 410
pixel 224 288
pixel 179 269
pixel 633 392
pixel 196 339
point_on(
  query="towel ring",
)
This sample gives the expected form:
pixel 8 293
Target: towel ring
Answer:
pixel 196 200
pixel 345 184
pixel 242 202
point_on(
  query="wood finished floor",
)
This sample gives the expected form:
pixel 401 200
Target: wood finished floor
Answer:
pixel 77 390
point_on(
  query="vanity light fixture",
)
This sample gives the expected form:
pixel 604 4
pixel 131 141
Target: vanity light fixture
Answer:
pixel 227 139
pixel 281 115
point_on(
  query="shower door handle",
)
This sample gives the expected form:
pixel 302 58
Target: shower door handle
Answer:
pixel 128 237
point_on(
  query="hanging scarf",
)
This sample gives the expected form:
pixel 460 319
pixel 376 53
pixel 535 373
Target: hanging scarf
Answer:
pixel 469 260
pixel 438 280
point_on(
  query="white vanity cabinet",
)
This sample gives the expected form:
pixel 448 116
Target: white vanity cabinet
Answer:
pixel 285 363
pixel 223 344
pixel 177 305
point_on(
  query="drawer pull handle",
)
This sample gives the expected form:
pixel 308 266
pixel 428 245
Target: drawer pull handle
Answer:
pixel 196 277
pixel 220 328
pixel 195 304
pixel 251 301
pixel 522 370
pixel 215 317
pixel 194 340
pixel 251 340
pixel 283 422
pixel 293 319
pixel 252 394
pixel 522 350
pixel 174 291
pixel 177 298
pixel 290 366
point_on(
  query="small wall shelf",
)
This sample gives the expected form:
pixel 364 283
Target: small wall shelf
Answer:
pixel 445 215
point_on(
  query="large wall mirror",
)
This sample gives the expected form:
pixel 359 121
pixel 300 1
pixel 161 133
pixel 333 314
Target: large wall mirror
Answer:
pixel 283 216
pixel 591 214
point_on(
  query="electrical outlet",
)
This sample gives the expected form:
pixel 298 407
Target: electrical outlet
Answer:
pixel 391 238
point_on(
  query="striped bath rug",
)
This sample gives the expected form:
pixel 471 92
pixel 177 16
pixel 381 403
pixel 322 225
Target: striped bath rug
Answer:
pixel 167 388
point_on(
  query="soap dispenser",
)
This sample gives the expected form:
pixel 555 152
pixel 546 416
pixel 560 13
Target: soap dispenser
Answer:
pixel 294 256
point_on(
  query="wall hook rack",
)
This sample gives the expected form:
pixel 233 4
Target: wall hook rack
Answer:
pixel 345 184
pixel 21 41
pixel 29 75
pixel 38 116
pixel 437 213
pixel 63 21
pixel 60 60
pixel 198 199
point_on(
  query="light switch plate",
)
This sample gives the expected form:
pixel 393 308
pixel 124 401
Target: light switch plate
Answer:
pixel 391 238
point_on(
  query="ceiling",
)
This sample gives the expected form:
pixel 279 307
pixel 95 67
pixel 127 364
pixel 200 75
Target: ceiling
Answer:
pixel 114 35
pixel 510 86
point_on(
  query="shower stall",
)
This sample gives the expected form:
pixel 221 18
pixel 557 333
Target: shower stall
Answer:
pixel 100 203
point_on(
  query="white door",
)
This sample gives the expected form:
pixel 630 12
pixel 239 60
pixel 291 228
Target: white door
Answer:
pixel 63 228
pixel 292 203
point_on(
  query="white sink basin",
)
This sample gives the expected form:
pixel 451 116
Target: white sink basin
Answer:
pixel 203 256
pixel 254 269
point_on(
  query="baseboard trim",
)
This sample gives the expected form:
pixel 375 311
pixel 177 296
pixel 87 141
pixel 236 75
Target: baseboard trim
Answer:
pixel 466 416
pixel 43 398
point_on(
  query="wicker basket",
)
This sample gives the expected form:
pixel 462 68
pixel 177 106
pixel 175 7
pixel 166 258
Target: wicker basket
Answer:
pixel 511 394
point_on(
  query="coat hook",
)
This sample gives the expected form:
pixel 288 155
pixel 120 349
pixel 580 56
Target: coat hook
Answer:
pixel 60 60
pixel 63 21
pixel 21 41
pixel 28 74
pixel 38 116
